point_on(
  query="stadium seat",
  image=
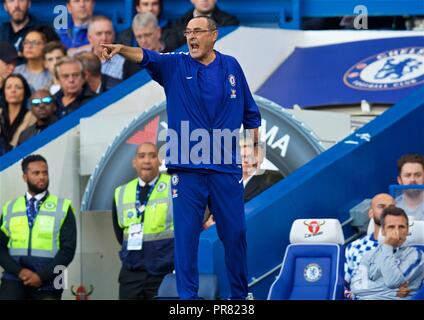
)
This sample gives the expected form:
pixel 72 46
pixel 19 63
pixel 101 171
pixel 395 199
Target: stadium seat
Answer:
pixel 416 239
pixel 416 234
pixel 312 268
pixel 419 295
pixel 208 287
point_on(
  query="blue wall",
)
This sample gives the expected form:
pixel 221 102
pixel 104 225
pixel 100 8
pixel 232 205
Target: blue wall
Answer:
pixel 328 186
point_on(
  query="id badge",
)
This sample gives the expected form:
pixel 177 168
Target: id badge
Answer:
pixel 135 237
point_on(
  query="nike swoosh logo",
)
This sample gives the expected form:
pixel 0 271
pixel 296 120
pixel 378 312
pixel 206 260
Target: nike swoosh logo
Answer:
pixel 189 78
pixel 241 180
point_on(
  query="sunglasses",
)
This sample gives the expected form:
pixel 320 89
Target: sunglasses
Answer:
pixel 39 101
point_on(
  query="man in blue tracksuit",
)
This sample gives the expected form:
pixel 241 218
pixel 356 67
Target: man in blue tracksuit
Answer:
pixel 207 98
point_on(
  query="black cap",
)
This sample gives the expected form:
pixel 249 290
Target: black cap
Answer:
pixel 8 52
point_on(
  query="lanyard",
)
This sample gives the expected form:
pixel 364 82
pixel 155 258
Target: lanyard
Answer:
pixel 141 207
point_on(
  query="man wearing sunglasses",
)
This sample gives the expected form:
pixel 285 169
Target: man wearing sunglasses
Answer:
pixel 43 108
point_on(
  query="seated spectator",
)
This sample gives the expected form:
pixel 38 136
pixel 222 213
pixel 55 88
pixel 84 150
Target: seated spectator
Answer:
pixel 43 108
pixel 392 271
pixel 146 34
pixel 52 53
pixel 74 37
pixel 33 70
pixel 74 90
pixel 97 81
pixel 21 22
pixel 8 59
pixel 152 6
pixel 14 115
pixel 356 249
pixel 145 22
pixel 411 171
pixel 255 179
pixel 174 33
pixel 100 31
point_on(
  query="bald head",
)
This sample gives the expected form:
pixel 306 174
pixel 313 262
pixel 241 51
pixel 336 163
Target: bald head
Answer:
pixel 146 161
pixel 40 93
pixel 378 204
pixel 141 145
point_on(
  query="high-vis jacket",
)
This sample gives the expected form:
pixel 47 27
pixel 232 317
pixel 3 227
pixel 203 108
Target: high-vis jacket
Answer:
pixel 42 240
pixel 157 253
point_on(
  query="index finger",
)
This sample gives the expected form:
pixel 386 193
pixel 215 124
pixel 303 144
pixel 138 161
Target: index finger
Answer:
pixel 107 46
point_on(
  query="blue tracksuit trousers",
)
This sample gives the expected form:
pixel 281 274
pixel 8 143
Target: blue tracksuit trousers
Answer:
pixel 223 192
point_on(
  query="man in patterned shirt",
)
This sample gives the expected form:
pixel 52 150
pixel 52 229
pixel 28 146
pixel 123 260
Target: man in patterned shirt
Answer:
pixel 355 250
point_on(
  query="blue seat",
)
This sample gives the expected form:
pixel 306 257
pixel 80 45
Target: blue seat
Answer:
pixel 419 295
pixel 312 268
pixel 416 238
pixel 208 287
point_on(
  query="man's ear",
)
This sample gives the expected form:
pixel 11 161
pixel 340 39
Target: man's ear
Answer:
pixel 370 213
pixel 25 178
pixel 215 36
pixel 399 180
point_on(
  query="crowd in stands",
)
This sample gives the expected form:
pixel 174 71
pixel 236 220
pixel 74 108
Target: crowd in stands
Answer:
pixel 47 73
pixel 45 57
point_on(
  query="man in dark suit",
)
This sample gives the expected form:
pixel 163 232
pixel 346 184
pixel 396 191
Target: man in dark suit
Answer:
pixel 255 180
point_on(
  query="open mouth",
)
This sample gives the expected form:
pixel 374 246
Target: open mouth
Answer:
pixel 194 46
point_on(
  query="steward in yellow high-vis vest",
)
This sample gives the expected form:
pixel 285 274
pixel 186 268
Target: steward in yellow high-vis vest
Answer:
pixel 143 223
pixel 37 238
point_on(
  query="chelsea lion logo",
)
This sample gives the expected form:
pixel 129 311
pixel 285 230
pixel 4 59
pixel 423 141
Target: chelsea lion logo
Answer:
pixel 161 186
pixel 49 205
pixel 312 272
pixel 389 70
pixel 175 180
pixel 232 80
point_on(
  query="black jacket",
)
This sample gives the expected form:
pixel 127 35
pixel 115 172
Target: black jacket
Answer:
pixel 260 183
pixel 108 82
pixel 173 33
pixel 35 129
pixel 16 38
pixel 85 95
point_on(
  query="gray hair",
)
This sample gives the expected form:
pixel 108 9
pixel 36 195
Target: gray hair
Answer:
pixel 95 19
pixel 142 20
pixel 67 60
